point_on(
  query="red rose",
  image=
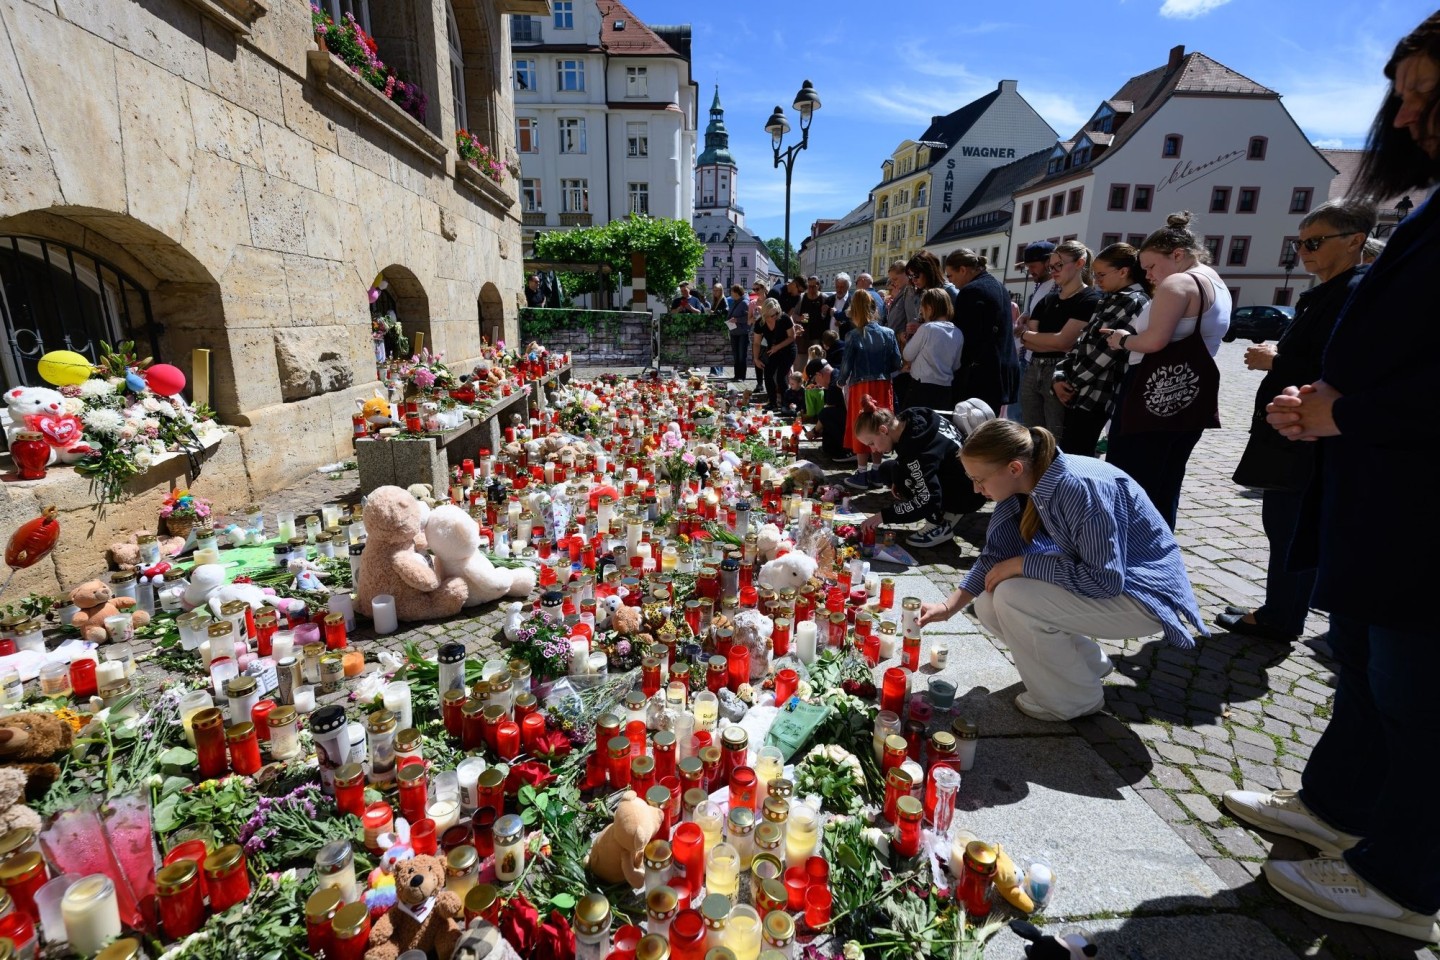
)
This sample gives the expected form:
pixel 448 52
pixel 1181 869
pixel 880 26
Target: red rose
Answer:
pixel 552 745
pixel 556 940
pixel 520 925
pixel 531 772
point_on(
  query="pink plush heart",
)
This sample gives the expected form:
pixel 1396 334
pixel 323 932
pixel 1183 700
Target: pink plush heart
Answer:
pixel 59 432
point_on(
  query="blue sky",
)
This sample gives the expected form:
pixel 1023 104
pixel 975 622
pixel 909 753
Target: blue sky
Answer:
pixel 882 76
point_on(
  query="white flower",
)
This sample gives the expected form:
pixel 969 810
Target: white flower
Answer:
pixel 96 387
pixel 144 459
pixel 852 951
pixel 150 404
pixel 74 406
pixel 105 422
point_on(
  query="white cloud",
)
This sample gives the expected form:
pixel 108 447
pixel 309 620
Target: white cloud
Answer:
pixel 1189 9
pixel 1329 143
pixel 1062 111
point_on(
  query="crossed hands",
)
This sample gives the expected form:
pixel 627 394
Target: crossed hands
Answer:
pixel 1304 413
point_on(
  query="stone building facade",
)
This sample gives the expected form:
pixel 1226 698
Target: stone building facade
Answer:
pixel 237 189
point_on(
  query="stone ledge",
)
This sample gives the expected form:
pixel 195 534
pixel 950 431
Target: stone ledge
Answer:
pixel 237 16
pixel 493 194
pixel 343 85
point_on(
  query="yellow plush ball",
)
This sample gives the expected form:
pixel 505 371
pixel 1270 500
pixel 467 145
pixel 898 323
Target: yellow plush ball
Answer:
pixel 64 368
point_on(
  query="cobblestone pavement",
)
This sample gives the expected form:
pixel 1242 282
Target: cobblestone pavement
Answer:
pixel 1180 726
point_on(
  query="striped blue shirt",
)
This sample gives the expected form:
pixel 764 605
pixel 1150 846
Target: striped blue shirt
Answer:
pixel 1102 539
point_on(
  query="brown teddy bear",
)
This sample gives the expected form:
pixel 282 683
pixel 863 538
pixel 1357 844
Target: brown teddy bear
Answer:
pixel 96 602
pixel 426 917
pixel 13 813
pixel 625 620
pixel 619 851
pixel 391 564
pixel 30 742
pixel 126 555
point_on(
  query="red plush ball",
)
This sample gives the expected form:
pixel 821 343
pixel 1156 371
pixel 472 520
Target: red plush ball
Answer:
pixel 165 379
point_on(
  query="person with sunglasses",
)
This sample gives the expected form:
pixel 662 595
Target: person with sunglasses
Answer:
pixel 1055 324
pixel 1367 793
pixel 1332 240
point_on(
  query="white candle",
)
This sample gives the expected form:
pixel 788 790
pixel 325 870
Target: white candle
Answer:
pixel 939 656
pixel 633 531
pixel 304 699
pixel 468 773
pixel 397 701
pixel 205 653
pixel 109 673
pixel 445 813
pixel 91 914
pixel 340 603
pixel 191 703
pixel 805 641
pixel 207 555
pixel 579 657
pixel 282 645
pixel 888 643
pixel 382 611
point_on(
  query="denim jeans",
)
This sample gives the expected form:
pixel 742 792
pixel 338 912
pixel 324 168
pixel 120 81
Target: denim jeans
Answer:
pixel 1287 592
pixel 1156 461
pixel 1373 773
pixel 1038 403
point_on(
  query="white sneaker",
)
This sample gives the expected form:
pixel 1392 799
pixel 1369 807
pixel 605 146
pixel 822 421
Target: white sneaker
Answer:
pixel 1330 888
pixel 933 535
pixel 1284 813
pixel 1027 705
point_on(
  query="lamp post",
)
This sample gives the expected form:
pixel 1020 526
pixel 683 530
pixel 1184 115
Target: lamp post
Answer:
pixel 730 258
pixel 1290 258
pixel 1402 210
pixel 807 101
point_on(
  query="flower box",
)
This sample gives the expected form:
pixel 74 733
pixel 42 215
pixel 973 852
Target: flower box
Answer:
pixel 344 86
pixel 489 191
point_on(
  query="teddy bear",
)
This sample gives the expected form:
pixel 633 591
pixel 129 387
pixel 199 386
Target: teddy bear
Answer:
pixel 28 407
pixel 454 541
pixel 207 588
pixel 1072 945
pixel 625 620
pixel 768 542
pixel 482 941
pixel 752 631
pixel 96 602
pixel 30 743
pixel 426 917
pixel 789 572
pixel 391 564
pixel 126 555
pixel 618 853
pixel 13 813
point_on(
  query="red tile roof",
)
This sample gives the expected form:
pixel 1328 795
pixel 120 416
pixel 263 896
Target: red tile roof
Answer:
pixel 634 39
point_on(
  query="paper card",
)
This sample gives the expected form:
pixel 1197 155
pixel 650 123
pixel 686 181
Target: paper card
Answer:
pixel 793 728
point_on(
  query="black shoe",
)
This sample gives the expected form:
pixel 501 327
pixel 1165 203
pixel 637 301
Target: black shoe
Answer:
pixel 1240 611
pixel 1237 624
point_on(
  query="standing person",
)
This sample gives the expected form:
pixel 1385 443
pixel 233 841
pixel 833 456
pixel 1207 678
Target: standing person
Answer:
pixel 902 300
pixel 1369 784
pixel 1088 376
pixel 1055 324
pixel 813 312
pixel 738 320
pixel 933 354
pixel 719 305
pixel 989 369
pixel 1174 341
pixel 871 358
pixel 774 344
pixel 757 299
pixel 534 296
pixel 686 302
pixel 1331 245
pixel 981 303
pixel 1074 551
pixel 866 283
pixel 839 302
pixel 1035 261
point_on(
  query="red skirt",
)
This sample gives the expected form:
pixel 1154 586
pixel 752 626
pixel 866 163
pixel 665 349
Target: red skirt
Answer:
pixel 884 398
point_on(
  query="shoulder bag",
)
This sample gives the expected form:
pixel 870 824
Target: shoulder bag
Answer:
pixel 1176 388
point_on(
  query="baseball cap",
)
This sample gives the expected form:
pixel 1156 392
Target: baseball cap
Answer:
pixel 813 367
pixel 1036 252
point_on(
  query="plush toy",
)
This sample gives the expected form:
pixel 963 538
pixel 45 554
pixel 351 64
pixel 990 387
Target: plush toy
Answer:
pixel 970 414
pixel 789 572
pixel 390 563
pixel 126 555
pixel 208 589
pixel 625 620
pixel 31 742
pixel 41 402
pixel 96 602
pixel 768 540
pixel 1007 882
pixel 426 917
pixel 376 412
pixel 514 620
pixel 752 631
pixel 1073 945
pixel 803 474
pixel 455 543
pixel 13 812
pixel 482 941
pixel 605 608
pixel 618 852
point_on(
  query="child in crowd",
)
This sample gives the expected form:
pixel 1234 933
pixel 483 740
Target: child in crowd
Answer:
pixel 830 421
pixel 834 350
pixel 792 401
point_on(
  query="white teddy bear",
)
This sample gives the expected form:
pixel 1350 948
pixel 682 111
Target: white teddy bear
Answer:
pixel 752 631
pixel 22 402
pixel 454 540
pixel 769 540
pixel 514 620
pixel 789 572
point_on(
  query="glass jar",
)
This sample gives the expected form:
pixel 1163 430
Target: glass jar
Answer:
pixel 490 790
pixel 740 833
pixel 777 932
pixel 742 789
pixel 801 834
pixel 592 927
pixel 320 911
pixel 659 862
pixel 769 842
pixel 350 790
pixel 462 867
pixel 21 876
pixel 742 933
pixel 735 751
pixel 898 783
pixel 452 667
pixel 335 867
pixel 908 813
pixel 687 935
pixel 664 748
pixel 377 821
pixel 715 911
pixel 661 905
pixel 284 736
pixel 380 737
pixel 91 912
pixel 887 723
pixel 349 933
pixel 509 847
pixel 243 693
pixel 967 737
pixel 413 791
pixel 209 727
pixel 181 899
pixel 974 882
pixel 483 901
pixel 722 871
pixel 55 679
pixel 244 745
pixel 226 877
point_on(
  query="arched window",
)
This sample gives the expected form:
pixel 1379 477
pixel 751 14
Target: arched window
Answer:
pixel 457 68
pixel 57 297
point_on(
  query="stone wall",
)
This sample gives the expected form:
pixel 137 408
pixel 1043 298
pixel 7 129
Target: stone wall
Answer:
pixel 209 150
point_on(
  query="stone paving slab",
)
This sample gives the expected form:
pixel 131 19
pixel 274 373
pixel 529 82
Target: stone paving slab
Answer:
pixel 1215 937
pixel 1054 799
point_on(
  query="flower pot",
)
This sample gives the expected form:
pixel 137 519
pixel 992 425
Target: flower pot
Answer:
pixel 179 526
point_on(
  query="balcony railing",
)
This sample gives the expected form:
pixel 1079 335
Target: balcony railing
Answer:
pixel 525 30
pixel 534 218
pixel 574 219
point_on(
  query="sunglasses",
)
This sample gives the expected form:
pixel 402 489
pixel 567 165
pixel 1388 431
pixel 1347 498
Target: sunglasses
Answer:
pixel 1314 243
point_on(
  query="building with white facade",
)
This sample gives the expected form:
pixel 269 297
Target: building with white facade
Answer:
pixel 1189 135
pixel 605 116
pixel 732 253
pixel 845 247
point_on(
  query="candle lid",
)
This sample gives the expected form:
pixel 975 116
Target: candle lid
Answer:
pixel 481 898
pixel 490 778
pixel 351 919
pixel 767 836
pixel 280 716
pixel 122 576
pixel 741 821
pixel 661 901
pixel 735 738
pixel 349 775
pixel 170 576
pixel 239 732
pixel 223 860
pixel 20 866
pixel 323 904
pixel 207 718
pixel 942 741
pixel 776 808
pixel 411 774
pixel 652 947
pixel 233 607
pixel 715 908
pixel 461 860
pixel 240 687
pixel 382 721
pixel 656 796
pixel 176 877
pixel 508 828
pixel 779 927
pixel 126 949
pixel 894 743
pixel 220 628
pixel 452 652
pixel 329 719
pixel 334 857
pixel 964 729
pixel 592 914
pixel 408 741
pixel 658 852
pixel 644 767
pixel 17 839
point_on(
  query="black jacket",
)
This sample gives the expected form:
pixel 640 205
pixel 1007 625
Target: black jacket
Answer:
pixel 989 367
pixel 927 467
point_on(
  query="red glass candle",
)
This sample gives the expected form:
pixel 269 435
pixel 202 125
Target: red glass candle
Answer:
pixel 195 851
pixel 618 752
pixel 607 726
pixel 676 805
pixel 532 728
pixel 635 733
pixel 377 819
pixel 797 881
pixel 710 763
pixel 817 906
pixel 260 718
pixel 320 912
pixel 459 835
pixel 350 933
pixel 893 687
pixel 22 877
pixel 266 624
pixel 870 649
pixel 452 707
pixel 650 676
pixel 893 754
pixel 663 748
pixel 334 631
pixel 974 886
pixel 743 784
pixel 490 791
pixel 181 899
pixel 526 705
pixel 350 790
pixel 422 837
pixel 737 662
pixel 687 936
pixel 244 746
pixel 472 731
pixel 910 653
pixel 82 677
pixel 490 719
pixel 414 791
pixel 688 848
pixel 507 740
pixel 226 877
pixel 642 774
pixel 780 637
pixel 209 728
pixel 482 828
pixel 887 593
pixel 837 630
pixel 786 682
pixel 897 785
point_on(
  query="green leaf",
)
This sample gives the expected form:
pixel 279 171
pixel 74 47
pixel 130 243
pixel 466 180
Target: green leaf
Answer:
pixel 173 785
pixel 563 901
pixel 164 815
pixel 178 758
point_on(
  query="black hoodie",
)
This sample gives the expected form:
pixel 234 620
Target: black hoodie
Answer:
pixel 928 476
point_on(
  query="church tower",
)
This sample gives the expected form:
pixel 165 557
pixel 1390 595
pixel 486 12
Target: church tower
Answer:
pixel 715 170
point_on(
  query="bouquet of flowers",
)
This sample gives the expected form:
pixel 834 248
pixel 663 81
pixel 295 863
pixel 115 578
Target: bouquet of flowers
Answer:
pixel 544 643
pixel 182 510
pixel 479 156
pixel 835 775
pixel 423 373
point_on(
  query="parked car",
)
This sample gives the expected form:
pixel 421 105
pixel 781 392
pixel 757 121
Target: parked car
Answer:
pixel 1258 324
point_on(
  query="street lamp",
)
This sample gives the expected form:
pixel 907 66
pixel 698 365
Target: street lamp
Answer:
pixel 807 101
pixel 1402 210
pixel 730 243
pixel 1291 255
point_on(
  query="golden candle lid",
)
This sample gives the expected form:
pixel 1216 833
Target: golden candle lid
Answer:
pixel 490 778
pixel 710 756
pixel 900 778
pixel 224 859
pixel 981 854
pixel 715 908
pixel 776 809
pixel 661 900
pixel 664 740
pixel 382 721
pixel 20 866
pixel 471 708
pixel 122 576
pixel 351 918
pixel 644 767
pixel 734 738
pixel 241 686
pixel 942 741
pixel 657 796
pixel 652 947
pixel 778 926
pixel 895 743
pixel 461 860
pixel 740 820
pixel 720 953
pixel 411 774
pixel 691 768
pixel 408 740
pixel 233 607
pixel 266 617
pixel 235 733
pixel 333 618
pixel 17 839
pixel 493 713
pixel 592 913
pixel 350 774
pixel 618 747
pixel 323 903
pixel 658 852
pixel 775 892
pixel 126 949
pixel 767 835
pixel 207 718
pixel 451 696
pixel 220 628
pixel 280 717
pixel 481 898
pixel 964 729
pixel 909 808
